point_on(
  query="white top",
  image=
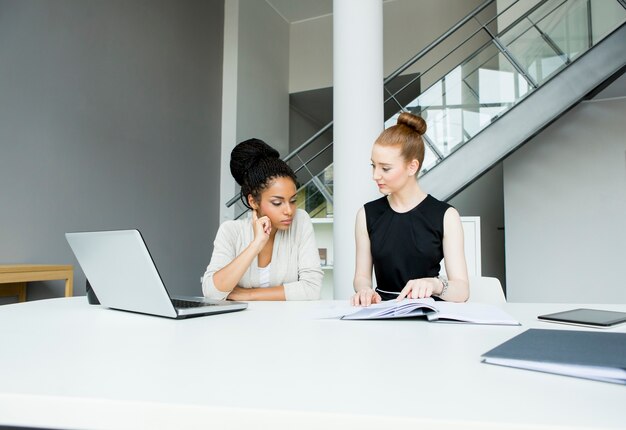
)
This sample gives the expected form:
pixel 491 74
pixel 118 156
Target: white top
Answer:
pixel 295 258
pixel 264 276
pixel 277 365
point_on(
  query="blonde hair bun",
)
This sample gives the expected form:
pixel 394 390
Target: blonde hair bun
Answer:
pixel 415 122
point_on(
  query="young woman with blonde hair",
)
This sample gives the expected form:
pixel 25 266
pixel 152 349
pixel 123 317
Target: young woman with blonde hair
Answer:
pixel 405 234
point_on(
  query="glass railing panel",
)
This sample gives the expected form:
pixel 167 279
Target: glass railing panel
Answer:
pixel 495 81
pixel 496 85
pixel 606 16
pixel 466 100
pixel 313 197
pixel 566 26
pixel 430 160
pixel 543 9
pixel 310 199
pixel 534 54
pixel 558 32
pixel 314 158
pixel 576 25
pixel 442 57
pixel 327 179
pixel 445 128
pixel 514 26
pixel 430 68
pixel 510 11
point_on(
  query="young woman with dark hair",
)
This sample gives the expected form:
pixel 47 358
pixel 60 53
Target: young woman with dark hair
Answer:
pixel 405 234
pixel 270 255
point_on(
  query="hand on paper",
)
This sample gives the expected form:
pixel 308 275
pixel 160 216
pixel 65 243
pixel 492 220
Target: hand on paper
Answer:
pixel 420 288
pixel 366 297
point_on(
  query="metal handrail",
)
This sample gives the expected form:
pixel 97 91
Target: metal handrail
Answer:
pixel 437 41
pixel 467 39
pixel 393 75
pixel 474 33
pixel 308 141
pixel 473 15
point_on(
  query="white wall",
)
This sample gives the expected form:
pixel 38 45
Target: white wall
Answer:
pixel 311 54
pixel 409 25
pixel 484 198
pixel 565 209
pixel 261 40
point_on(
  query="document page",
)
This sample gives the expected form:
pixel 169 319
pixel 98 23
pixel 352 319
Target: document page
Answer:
pixel 475 313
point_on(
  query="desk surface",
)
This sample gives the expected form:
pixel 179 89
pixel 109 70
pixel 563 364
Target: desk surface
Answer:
pixel 277 363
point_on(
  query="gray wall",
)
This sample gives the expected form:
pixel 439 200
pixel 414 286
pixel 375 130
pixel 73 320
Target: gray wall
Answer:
pixel 256 104
pixel 565 209
pixel 110 119
pixel 263 75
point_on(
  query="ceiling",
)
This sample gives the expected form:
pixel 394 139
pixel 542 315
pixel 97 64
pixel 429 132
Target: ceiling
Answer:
pixel 300 10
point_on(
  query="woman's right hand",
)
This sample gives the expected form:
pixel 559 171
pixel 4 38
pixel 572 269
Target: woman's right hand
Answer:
pixel 366 297
pixel 262 228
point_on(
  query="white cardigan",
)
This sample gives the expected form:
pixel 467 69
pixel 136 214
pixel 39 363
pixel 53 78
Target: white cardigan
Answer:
pixel 295 258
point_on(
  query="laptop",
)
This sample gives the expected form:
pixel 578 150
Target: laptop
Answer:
pixel 123 275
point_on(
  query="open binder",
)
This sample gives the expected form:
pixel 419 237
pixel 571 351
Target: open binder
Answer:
pixel 431 310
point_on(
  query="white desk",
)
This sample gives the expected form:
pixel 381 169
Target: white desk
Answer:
pixel 67 364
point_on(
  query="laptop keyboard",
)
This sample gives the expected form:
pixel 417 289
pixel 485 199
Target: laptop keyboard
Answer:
pixel 185 304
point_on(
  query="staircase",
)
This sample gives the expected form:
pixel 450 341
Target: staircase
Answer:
pixel 491 82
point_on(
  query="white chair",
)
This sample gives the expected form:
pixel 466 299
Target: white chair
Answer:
pixel 486 290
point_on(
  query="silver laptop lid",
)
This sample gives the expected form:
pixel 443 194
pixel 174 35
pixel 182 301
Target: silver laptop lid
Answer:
pixel 121 271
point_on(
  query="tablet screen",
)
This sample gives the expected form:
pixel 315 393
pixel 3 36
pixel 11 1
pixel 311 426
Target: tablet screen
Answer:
pixel 594 317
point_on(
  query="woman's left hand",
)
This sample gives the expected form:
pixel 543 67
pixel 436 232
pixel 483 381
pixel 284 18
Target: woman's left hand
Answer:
pixel 238 293
pixel 420 288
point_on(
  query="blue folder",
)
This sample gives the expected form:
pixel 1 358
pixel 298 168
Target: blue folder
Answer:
pixel 599 356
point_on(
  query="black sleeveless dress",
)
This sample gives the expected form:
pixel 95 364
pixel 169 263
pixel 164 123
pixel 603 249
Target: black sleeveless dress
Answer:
pixel 405 246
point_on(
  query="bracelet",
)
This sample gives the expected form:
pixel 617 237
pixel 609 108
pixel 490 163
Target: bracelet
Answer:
pixel 444 281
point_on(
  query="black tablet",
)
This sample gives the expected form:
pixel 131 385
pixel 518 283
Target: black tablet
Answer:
pixel 586 317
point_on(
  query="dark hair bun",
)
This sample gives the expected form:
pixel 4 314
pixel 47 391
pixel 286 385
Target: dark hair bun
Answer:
pixel 415 122
pixel 247 154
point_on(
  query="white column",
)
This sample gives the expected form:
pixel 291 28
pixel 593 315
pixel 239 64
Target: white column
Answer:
pixel 358 120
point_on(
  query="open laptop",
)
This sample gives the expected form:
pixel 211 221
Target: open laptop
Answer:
pixel 123 275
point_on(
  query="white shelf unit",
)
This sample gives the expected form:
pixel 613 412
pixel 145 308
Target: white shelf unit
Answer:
pixel 323 228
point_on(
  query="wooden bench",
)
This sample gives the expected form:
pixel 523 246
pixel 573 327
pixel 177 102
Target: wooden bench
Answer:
pixel 14 277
